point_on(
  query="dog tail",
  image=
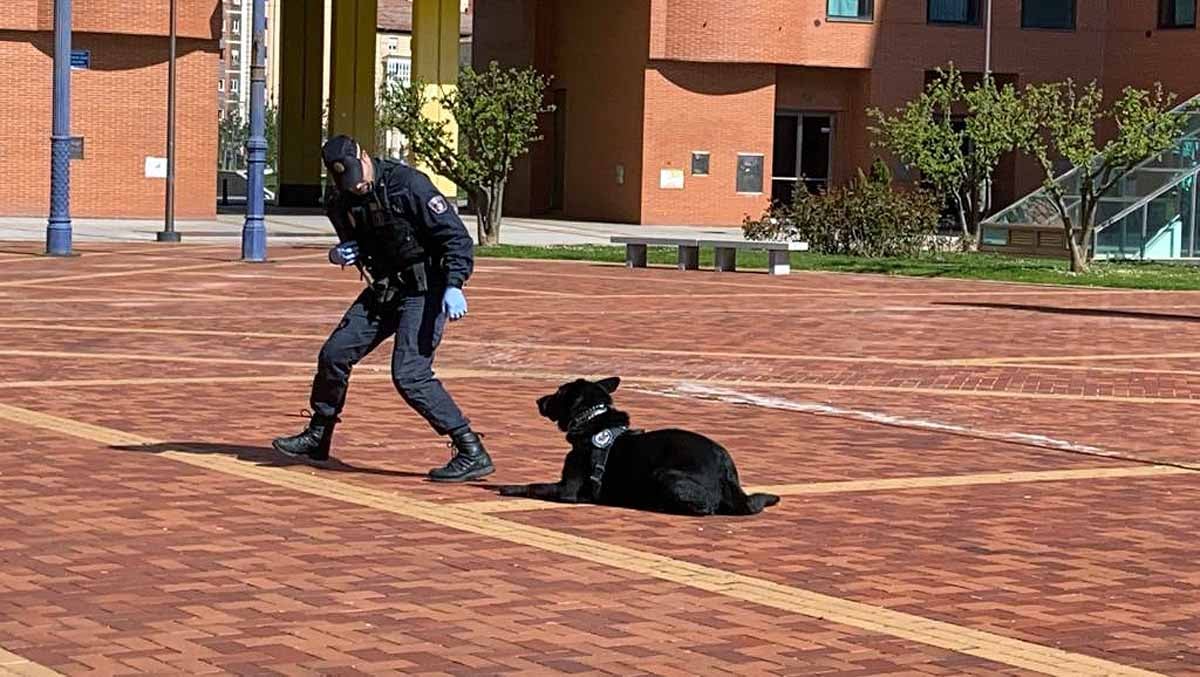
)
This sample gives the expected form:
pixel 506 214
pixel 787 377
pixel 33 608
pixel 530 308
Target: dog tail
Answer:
pixel 736 502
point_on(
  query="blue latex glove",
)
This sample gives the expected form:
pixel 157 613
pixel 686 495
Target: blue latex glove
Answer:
pixel 344 254
pixel 454 304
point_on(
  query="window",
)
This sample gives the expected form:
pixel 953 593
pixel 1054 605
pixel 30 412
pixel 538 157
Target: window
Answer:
pixel 393 44
pixel 399 69
pixel 964 12
pixel 700 163
pixel 749 173
pixel 861 10
pixel 1176 13
pixel 1058 14
pixel 221 85
pixel 235 58
pixel 235 86
pixel 237 25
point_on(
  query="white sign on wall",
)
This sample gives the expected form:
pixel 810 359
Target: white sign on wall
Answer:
pixel 671 179
pixel 156 167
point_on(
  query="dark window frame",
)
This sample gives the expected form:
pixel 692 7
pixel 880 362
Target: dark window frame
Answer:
pixel 1164 7
pixel 862 17
pixel 1074 18
pixel 975 9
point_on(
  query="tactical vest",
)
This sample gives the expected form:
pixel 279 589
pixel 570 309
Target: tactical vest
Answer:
pixel 386 238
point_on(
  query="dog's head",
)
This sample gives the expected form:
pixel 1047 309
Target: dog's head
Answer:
pixel 575 397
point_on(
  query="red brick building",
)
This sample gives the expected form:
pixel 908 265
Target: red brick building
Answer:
pixel 697 111
pixel 118 106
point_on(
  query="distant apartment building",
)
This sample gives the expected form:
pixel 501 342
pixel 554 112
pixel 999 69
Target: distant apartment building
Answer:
pixel 394 50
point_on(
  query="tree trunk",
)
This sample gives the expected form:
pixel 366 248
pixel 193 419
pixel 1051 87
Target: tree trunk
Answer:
pixel 1078 256
pixel 964 223
pixel 489 207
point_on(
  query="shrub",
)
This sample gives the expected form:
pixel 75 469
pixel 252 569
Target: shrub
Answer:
pixel 866 218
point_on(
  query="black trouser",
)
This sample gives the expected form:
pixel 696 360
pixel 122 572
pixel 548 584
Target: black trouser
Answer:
pixel 417 322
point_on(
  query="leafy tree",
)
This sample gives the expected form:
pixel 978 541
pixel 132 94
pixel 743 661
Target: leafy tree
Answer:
pixel 1061 121
pixel 271 128
pixel 956 154
pixel 497 115
pixel 232 134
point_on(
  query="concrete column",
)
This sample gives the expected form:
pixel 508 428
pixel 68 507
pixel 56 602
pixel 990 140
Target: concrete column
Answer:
pixel 435 62
pixel 352 71
pixel 300 102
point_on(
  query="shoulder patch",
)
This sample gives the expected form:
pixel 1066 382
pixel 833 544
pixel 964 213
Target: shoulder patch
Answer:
pixel 437 205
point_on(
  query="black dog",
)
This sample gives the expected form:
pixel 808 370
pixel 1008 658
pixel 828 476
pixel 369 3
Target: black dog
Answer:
pixel 673 471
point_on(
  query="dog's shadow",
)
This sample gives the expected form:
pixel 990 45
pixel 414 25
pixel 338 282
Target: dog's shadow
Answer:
pixel 262 456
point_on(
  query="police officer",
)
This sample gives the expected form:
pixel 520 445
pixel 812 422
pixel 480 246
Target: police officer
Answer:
pixel 416 255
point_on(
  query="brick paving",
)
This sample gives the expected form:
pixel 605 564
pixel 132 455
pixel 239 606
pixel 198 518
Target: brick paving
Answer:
pixel 119 559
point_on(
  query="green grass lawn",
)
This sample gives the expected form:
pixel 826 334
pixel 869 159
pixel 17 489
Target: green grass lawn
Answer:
pixel 1126 275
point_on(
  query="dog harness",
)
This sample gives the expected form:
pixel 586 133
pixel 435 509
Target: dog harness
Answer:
pixel 602 442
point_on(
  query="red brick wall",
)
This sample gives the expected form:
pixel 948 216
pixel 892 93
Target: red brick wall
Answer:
pixel 764 31
pixel 725 109
pixel 1139 53
pixel 509 39
pixel 195 18
pixel 698 89
pixel 603 72
pixel 21 15
pixel 119 107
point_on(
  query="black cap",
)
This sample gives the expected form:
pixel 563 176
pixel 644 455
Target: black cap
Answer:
pixel 340 155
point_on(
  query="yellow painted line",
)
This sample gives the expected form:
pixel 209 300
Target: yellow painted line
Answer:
pixel 164 332
pixel 12 665
pixel 310 278
pixel 255 301
pixel 88 255
pixel 168 381
pixel 688 279
pixel 1037 359
pixel 890 484
pixel 985 645
pixel 559 347
pixel 44 281
pixel 775 357
pixel 251 316
pixel 170 294
pixel 560 377
pixel 150 357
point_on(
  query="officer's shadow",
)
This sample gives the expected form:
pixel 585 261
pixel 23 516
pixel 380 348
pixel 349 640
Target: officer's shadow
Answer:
pixel 262 456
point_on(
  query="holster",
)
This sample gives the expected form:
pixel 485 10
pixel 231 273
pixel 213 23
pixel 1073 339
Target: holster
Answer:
pixel 414 278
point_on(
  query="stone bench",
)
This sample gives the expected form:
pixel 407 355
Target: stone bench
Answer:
pixel 778 253
pixel 635 250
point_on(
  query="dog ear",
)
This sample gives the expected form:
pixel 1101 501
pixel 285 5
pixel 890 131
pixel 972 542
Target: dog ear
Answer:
pixel 610 384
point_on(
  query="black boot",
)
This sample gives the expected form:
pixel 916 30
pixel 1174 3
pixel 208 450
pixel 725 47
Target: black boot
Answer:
pixel 311 445
pixel 470 460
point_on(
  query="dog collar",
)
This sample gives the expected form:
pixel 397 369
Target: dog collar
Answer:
pixel 585 416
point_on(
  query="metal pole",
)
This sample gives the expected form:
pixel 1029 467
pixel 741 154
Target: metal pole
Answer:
pixel 987 55
pixel 987 74
pixel 254 231
pixel 168 234
pixel 58 226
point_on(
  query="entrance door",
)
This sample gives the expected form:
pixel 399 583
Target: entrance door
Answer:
pixel 803 151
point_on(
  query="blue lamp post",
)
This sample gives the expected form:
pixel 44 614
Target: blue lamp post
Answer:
pixel 58 227
pixel 254 231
